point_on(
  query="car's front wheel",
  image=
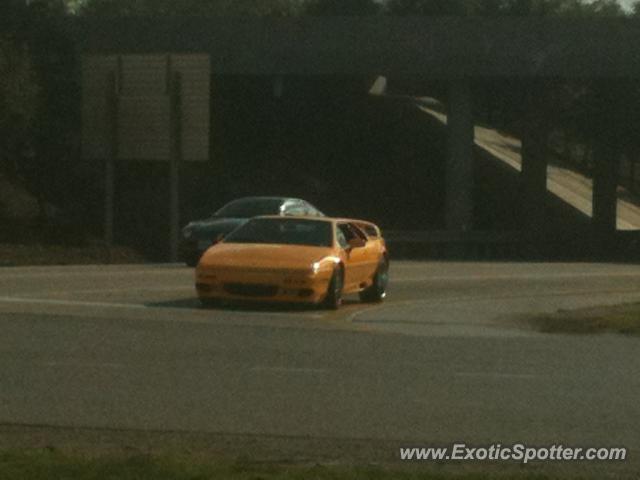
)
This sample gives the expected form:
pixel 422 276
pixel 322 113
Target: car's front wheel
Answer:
pixel 378 289
pixel 333 299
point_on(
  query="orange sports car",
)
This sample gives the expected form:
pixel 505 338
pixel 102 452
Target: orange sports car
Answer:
pixel 296 259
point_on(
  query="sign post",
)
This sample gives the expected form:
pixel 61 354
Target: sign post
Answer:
pixel 174 163
pixel 110 160
pixel 141 108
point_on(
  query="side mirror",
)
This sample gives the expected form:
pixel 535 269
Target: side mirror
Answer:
pixel 357 242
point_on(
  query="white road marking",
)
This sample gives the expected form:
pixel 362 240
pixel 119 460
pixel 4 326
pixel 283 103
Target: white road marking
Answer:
pixel 91 273
pixel 129 289
pixel 350 318
pixel 69 303
pixel 137 306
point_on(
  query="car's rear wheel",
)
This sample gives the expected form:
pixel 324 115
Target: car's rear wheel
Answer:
pixel 378 289
pixel 333 299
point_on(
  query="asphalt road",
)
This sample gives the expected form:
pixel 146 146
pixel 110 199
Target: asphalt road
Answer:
pixel 448 357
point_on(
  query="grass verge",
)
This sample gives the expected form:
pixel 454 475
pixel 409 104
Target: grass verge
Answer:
pixel 52 464
pixel 622 319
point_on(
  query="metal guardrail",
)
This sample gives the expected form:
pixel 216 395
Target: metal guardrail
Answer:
pixel 454 245
pixel 622 246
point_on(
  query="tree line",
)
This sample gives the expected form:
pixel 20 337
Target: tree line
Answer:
pixel 324 7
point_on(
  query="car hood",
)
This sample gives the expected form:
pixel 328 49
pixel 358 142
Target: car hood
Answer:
pixel 207 227
pixel 254 255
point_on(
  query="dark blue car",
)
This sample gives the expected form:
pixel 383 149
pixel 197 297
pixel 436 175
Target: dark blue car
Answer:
pixel 199 235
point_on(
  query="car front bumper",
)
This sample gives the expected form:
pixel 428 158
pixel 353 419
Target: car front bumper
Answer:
pixel 262 286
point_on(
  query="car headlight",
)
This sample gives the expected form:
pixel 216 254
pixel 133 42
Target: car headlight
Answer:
pixel 315 268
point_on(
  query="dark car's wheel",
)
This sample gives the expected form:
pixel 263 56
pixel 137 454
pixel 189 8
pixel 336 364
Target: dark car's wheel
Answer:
pixel 192 260
pixel 378 289
pixel 333 299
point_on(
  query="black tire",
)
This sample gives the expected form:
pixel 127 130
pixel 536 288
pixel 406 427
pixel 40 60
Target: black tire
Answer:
pixel 333 299
pixel 192 258
pixel 378 289
pixel 192 261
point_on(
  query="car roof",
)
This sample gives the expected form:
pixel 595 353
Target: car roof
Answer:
pixel 355 220
pixel 298 217
pixel 281 199
pixel 317 219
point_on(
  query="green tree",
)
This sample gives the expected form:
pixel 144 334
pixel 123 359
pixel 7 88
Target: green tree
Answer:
pixel 342 7
pixel 604 8
pixel 535 7
pixel 489 7
pixel 190 7
pixel 430 7
pixel 11 11
pixel 19 92
pixel 505 7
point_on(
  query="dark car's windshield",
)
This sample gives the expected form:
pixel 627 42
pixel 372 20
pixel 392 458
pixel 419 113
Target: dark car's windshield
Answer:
pixel 283 231
pixel 250 207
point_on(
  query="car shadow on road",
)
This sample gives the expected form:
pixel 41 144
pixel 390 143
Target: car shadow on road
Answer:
pixel 186 303
pixel 238 306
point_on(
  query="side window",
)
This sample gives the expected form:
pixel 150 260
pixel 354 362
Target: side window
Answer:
pixel 349 232
pixel 369 229
pixel 357 232
pixel 341 234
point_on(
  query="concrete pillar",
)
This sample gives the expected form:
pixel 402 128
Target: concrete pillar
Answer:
pixel 533 181
pixel 611 133
pixel 459 170
pixel 174 165
pixel 533 174
pixel 605 183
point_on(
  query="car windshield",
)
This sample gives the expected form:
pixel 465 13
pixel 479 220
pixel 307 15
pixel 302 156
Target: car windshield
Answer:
pixel 250 207
pixel 283 231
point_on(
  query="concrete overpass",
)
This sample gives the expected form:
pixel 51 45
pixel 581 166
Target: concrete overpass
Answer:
pixel 454 50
